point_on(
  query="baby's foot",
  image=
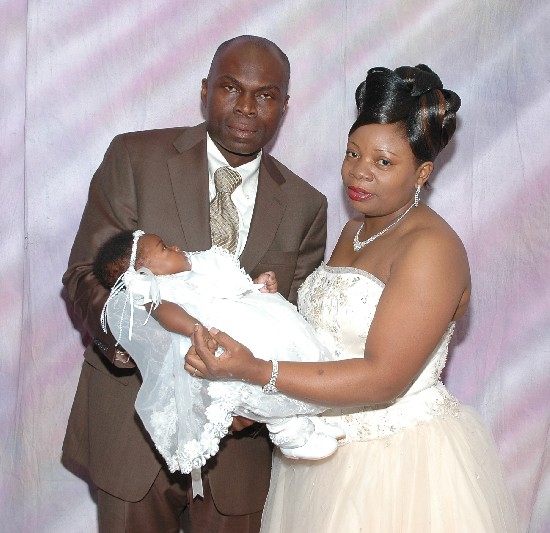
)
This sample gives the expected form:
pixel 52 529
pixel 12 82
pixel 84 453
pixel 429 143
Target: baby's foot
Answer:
pixel 318 446
pixel 321 426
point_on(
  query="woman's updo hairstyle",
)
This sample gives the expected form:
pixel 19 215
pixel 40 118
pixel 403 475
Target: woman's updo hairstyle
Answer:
pixel 415 97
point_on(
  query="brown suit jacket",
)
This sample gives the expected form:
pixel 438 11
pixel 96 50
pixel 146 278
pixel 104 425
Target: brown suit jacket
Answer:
pixel 158 181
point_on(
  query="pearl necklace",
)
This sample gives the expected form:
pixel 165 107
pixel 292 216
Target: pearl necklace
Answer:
pixel 358 245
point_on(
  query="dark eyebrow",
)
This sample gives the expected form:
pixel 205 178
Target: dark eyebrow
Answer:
pixel 269 87
pixel 385 150
pixel 259 89
pixel 229 77
pixel 382 149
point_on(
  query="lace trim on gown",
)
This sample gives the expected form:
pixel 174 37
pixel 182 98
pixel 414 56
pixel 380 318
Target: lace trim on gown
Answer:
pixel 346 288
pixel 424 463
pixel 186 417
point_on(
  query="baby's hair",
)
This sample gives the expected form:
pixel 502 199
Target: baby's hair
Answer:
pixel 113 258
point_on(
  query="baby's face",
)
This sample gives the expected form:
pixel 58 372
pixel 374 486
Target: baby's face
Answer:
pixel 159 258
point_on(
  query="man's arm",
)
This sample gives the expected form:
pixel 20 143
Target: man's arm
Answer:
pixel 111 208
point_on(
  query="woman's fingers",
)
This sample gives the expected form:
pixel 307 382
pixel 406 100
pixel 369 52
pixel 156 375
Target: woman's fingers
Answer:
pixel 223 339
pixel 199 340
pixel 192 357
pixel 197 370
pixel 228 365
pixel 200 360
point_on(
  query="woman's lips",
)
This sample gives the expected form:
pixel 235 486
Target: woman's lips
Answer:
pixel 358 195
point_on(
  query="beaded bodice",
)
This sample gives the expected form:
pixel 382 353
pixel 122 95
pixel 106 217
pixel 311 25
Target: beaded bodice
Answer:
pixel 340 302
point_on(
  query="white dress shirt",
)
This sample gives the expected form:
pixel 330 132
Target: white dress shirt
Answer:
pixel 244 195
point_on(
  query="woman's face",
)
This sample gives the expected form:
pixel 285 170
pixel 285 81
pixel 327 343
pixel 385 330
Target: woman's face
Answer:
pixel 159 258
pixel 379 171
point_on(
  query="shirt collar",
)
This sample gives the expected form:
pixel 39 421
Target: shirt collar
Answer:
pixel 217 160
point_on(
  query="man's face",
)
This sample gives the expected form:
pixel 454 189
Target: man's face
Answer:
pixel 245 97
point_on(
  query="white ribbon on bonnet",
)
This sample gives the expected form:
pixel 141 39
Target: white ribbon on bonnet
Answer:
pixel 141 287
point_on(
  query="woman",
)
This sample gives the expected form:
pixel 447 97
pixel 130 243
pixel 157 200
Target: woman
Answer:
pixel 414 459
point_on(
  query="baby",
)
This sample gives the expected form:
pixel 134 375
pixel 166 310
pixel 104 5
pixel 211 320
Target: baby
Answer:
pixel 187 417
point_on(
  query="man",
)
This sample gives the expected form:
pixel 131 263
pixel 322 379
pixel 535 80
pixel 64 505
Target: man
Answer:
pixel 162 181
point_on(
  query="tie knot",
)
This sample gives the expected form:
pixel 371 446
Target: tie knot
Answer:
pixel 226 180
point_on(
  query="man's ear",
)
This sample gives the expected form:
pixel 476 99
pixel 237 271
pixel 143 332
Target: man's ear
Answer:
pixel 285 105
pixel 204 90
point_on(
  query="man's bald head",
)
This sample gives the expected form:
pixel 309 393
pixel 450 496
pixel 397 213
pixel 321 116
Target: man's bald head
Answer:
pixel 253 41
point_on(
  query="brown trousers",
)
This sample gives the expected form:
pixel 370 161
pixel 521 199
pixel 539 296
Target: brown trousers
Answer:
pixel 169 507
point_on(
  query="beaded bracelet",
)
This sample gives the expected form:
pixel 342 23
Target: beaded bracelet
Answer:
pixel 269 387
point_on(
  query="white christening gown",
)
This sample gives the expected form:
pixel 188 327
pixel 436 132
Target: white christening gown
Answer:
pixel 423 464
pixel 186 417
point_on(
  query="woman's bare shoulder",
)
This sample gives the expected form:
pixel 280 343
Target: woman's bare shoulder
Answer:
pixel 432 244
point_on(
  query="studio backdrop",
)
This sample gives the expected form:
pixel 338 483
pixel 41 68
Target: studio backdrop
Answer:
pixel 76 73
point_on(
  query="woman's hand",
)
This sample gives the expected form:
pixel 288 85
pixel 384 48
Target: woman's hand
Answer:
pixel 209 340
pixel 235 363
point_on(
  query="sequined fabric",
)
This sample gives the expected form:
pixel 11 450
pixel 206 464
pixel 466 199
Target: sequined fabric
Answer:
pixel 342 318
pixel 425 463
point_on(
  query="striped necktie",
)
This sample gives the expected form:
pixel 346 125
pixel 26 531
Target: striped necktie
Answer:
pixel 224 219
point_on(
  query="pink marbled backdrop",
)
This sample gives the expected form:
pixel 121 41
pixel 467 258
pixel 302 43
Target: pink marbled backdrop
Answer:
pixel 74 74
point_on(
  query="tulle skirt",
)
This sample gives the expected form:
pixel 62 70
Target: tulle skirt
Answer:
pixel 439 476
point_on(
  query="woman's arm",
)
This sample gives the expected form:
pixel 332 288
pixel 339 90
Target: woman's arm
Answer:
pixel 426 287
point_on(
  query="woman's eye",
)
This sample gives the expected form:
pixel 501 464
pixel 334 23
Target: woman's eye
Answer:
pixel 351 153
pixel 384 162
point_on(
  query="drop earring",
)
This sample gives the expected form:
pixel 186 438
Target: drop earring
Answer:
pixel 417 196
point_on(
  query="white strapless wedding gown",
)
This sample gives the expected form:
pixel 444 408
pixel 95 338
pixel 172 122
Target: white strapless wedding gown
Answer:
pixel 423 464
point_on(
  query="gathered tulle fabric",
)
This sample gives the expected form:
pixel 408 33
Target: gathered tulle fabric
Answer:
pixel 185 416
pixel 440 476
pixel 422 463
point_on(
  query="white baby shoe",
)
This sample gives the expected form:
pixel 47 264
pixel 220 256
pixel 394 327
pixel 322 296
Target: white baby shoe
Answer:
pixel 318 446
pixel 332 430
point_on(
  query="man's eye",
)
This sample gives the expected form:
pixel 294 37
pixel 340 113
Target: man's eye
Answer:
pixel 230 88
pixel 266 96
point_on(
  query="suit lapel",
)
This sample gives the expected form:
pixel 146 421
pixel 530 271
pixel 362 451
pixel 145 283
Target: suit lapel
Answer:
pixel 269 209
pixel 189 176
